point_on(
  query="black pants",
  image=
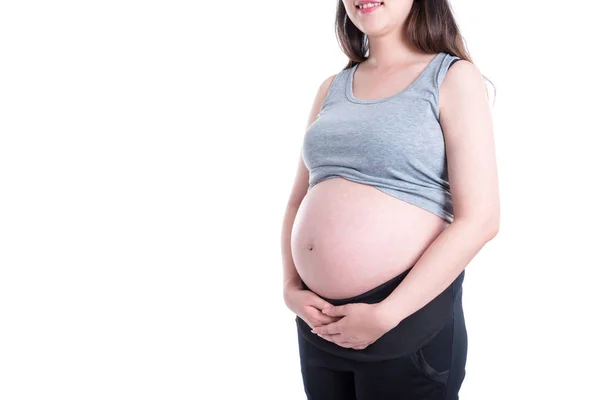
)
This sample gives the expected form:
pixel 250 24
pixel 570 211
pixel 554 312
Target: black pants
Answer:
pixel 423 358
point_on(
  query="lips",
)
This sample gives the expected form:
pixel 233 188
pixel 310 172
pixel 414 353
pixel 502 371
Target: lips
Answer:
pixel 366 5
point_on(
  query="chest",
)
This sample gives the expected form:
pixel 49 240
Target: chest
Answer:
pixel 395 135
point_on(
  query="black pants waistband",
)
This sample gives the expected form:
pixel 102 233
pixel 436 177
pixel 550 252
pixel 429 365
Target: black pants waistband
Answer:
pixel 372 296
pixel 408 336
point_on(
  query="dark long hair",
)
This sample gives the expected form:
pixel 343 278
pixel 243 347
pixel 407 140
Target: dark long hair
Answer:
pixel 430 27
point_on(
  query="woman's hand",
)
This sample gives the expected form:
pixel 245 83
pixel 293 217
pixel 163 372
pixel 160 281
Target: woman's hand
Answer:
pixel 360 325
pixel 307 305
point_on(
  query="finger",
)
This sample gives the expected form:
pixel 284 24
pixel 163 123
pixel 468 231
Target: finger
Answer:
pixel 319 302
pixel 329 329
pixel 337 311
pixel 362 345
pixel 323 319
pixel 318 319
pixel 338 339
pixel 320 322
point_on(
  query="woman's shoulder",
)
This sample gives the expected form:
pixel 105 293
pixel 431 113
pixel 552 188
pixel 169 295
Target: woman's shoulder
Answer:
pixel 326 84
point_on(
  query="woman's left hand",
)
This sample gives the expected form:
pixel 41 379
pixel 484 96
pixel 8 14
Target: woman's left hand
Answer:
pixel 360 325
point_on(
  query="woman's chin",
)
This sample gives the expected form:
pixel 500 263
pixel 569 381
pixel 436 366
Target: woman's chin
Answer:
pixel 374 29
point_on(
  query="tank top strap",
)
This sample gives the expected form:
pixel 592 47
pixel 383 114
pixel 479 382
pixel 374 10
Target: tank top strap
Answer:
pixel 445 63
pixel 336 91
pixel 433 74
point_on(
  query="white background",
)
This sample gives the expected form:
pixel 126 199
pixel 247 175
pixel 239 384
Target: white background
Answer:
pixel 147 150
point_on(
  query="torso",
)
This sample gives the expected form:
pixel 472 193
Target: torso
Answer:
pixel 348 237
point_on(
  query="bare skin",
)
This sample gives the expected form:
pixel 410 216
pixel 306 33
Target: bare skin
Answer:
pixel 440 252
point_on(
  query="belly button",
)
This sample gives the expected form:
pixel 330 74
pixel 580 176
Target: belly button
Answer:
pixel 310 247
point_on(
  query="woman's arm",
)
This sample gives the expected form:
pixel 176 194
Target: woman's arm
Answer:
pixel 466 121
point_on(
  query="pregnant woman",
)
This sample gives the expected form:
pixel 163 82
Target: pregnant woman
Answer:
pixel 396 191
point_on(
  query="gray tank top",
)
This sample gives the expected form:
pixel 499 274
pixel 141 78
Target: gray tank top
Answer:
pixel 394 144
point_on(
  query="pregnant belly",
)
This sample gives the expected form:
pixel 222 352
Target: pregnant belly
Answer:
pixel 348 237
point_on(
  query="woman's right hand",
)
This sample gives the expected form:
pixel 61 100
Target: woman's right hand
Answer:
pixel 308 306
